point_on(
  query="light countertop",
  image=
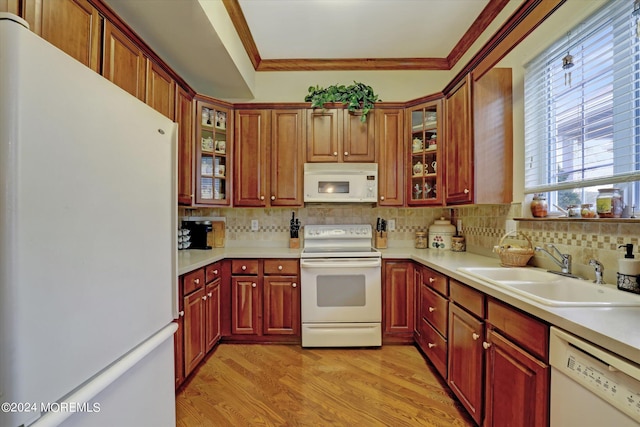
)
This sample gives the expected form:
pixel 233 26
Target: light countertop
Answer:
pixel 615 329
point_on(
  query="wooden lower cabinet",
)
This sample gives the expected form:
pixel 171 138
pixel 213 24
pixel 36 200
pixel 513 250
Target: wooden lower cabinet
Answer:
pixel 212 314
pixel 178 350
pixel 194 325
pixel 398 310
pixel 265 300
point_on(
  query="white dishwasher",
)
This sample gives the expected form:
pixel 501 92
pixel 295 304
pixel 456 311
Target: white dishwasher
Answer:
pixel 591 387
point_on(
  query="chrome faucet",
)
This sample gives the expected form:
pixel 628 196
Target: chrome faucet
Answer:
pixel 564 262
pixel 599 271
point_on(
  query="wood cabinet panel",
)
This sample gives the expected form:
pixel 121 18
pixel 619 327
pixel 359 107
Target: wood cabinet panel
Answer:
pixel 530 333
pixel 435 309
pixel 282 267
pixel 250 154
pixel 466 360
pixel 434 346
pixel 468 298
pixel 246 303
pixel 74 26
pixel 160 90
pixel 184 117
pixel 398 297
pixel 194 334
pixel 11 6
pixel 192 281
pixel 123 62
pixel 517 392
pixel 245 266
pixel 287 157
pixel 213 272
pixel 281 309
pixel 389 142
pixel 459 145
pixel 358 139
pixel 435 280
pixel 493 137
pixel 178 346
pixel 212 314
pixel 324 135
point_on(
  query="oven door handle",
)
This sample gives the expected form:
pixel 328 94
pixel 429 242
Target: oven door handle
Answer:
pixel 338 263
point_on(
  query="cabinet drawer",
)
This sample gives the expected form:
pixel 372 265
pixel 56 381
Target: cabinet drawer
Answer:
pixel 282 267
pixel 435 280
pixel 244 266
pixel 192 281
pixel 434 309
pixel 467 297
pixel 434 346
pixel 528 332
pixel 212 272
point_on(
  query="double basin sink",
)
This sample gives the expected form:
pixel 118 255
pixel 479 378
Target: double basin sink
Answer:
pixel 553 289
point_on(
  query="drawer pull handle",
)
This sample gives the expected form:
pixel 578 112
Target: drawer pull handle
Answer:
pixel 382 198
pixel 273 197
pixel 261 197
pixel 335 153
pixel 431 345
pixel 294 285
pixel 196 281
pixel 210 294
pixel 432 309
pixel 486 345
pixel 204 298
pixel 431 280
pixel 244 267
pixel 466 191
pixel 475 336
pixel 280 267
pixel 253 285
pixel 181 313
pixel 346 153
pixel 215 271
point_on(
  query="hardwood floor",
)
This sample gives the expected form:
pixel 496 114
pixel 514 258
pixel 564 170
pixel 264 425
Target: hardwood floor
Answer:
pixel 286 385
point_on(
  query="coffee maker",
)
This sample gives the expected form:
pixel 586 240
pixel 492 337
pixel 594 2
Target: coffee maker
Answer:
pixel 200 232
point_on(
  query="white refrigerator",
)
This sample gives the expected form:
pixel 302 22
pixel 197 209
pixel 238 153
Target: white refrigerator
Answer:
pixel 88 226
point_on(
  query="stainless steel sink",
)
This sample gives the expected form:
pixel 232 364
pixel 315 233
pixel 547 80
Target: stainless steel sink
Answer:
pixel 551 289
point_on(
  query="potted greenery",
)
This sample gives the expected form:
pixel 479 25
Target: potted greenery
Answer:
pixel 358 97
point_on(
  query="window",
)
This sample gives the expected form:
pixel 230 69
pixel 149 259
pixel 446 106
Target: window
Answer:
pixel 582 122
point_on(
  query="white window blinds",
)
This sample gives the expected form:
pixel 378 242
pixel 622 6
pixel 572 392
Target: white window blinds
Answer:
pixel 581 123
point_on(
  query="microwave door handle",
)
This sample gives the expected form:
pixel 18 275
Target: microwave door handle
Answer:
pixel 339 264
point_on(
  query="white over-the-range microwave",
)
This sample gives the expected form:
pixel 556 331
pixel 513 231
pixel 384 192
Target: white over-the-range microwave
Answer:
pixel 341 182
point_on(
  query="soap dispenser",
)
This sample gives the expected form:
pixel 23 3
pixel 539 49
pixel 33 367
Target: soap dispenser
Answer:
pixel 628 270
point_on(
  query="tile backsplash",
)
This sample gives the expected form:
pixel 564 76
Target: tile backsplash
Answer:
pixel 482 225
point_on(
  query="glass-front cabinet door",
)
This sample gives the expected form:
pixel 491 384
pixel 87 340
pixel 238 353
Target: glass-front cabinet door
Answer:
pixel 213 139
pixel 424 187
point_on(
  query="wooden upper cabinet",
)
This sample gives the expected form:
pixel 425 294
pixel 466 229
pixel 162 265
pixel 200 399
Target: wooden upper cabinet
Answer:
pixel 390 153
pixel 123 62
pixel 493 136
pixel 184 117
pixel 335 135
pixel 287 157
pixel 459 145
pixel 324 136
pixel 358 141
pixel 74 26
pixel 11 6
pixel 160 90
pixel 250 157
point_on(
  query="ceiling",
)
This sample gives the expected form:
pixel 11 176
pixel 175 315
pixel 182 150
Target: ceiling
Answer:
pixel 216 44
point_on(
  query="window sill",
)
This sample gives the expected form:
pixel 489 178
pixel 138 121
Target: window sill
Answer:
pixel 584 220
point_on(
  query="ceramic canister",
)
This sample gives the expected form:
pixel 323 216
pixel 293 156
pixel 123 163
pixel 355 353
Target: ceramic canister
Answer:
pixel 440 234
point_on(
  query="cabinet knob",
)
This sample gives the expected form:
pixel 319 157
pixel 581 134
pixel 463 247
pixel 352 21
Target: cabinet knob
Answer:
pixel 486 345
pixel 294 285
pixel 335 153
pixel 196 281
pixel 215 271
pixel 244 267
pixel 181 313
pixel 432 309
pixel 253 285
pixel 280 267
pixel 210 294
pixel 346 153
pixel 431 345
pixel 431 280
pixel 204 298
pixel 273 197
pixel 261 197
pixel 191 195
pixel 475 336
pixel 466 191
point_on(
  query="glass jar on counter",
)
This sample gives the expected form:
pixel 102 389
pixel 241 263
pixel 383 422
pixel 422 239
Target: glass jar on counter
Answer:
pixel 587 210
pixel 573 211
pixel 421 240
pixel 539 206
pixel 609 203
